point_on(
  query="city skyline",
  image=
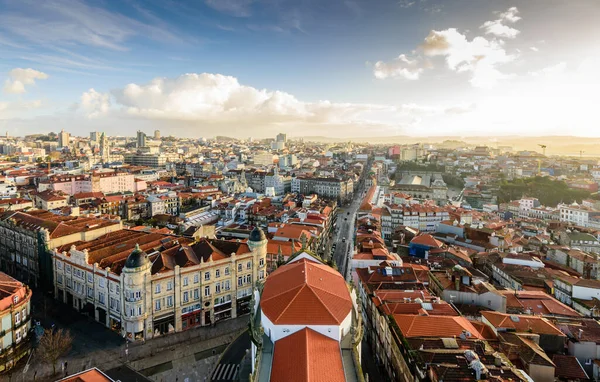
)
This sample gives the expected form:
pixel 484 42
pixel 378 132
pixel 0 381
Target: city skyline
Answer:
pixel 341 69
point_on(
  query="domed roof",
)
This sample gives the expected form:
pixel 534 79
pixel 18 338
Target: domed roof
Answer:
pixel 305 292
pixel 257 234
pixel 137 258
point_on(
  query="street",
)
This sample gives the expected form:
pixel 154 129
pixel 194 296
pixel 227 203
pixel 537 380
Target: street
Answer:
pixel 345 229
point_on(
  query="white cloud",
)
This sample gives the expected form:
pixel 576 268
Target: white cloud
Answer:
pixel 479 56
pixel 402 67
pixel 534 49
pixel 216 101
pixel 20 105
pixel 510 15
pixel 216 98
pixel 95 104
pixel 75 22
pixel 237 8
pixel 552 70
pixel 19 78
pixel 499 28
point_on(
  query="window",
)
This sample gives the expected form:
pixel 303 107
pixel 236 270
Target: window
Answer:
pixel 101 298
pixel 261 262
pixel 157 305
pixel 111 286
pixel 68 268
pixel 139 310
pixel 196 294
pixel 90 278
pixel 24 261
pixel 218 273
pixel 15 299
pixel 217 288
pixel 169 285
pixel 59 279
pixel 18 335
pixel 261 275
pixel 186 297
pixel 157 288
pixel 101 282
pixel 207 276
pixel 59 265
pixel 169 301
pixel 240 281
pixel 17 318
pixel 90 292
pixel 196 278
pixel 207 290
pixel 249 265
pixel 239 267
pixel 185 281
pixel 118 288
pixel 227 271
pixel 227 287
pixel 24 313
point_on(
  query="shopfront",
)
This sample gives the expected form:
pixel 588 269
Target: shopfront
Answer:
pixel 191 316
pixel 223 311
pixel 243 305
pixel 164 324
pixel 115 324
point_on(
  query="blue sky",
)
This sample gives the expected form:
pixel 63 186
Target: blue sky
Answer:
pixel 307 67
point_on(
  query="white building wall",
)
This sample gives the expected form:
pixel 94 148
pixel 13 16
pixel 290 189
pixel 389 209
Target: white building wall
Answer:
pixel 277 332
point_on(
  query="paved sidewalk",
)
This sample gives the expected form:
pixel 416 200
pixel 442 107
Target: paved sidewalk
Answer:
pixel 97 350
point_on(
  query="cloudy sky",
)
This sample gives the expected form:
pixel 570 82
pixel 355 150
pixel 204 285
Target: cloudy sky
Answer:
pixel 338 68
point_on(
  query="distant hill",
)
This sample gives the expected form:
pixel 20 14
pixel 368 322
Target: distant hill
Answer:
pixel 556 145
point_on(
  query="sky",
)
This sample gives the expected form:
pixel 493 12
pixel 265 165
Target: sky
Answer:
pixel 335 68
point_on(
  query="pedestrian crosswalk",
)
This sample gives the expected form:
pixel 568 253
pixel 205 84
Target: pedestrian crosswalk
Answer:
pixel 226 372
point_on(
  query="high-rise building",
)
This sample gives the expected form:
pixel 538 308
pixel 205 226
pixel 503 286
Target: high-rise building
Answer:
pixel 94 136
pixel 104 147
pixel 141 139
pixel 156 134
pixel 281 137
pixel 63 139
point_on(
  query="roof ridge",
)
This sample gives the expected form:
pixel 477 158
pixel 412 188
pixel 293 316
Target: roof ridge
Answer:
pixel 290 302
pixel 322 303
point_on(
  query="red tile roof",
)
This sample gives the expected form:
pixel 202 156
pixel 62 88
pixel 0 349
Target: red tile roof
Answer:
pixel 434 326
pixel 427 240
pixel 568 367
pixel 521 323
pixel 307 356
pixel 305 292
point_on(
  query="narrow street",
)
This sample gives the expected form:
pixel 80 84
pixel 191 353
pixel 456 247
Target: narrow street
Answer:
pixel 344 235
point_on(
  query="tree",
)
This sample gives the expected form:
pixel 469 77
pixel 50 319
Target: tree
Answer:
pixel 53 345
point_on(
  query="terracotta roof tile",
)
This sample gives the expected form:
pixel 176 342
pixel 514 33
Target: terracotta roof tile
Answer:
pixel 306 292
pixel 434 326
pixel 307 356
pixel 568 367
pixel 521 323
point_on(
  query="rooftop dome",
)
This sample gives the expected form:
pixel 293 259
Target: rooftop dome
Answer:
pixel 257 234
pixel 305 292
pixel 137 258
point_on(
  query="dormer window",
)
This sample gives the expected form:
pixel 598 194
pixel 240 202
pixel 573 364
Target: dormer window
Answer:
pixel 15 299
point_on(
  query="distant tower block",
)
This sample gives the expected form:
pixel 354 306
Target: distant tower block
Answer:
pixel 156 134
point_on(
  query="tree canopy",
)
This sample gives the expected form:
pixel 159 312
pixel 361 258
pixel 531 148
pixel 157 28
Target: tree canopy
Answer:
pixel 549 192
